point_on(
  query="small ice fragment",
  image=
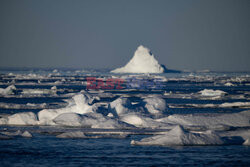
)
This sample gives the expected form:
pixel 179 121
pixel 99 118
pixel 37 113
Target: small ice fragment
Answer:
pixel 26 134
pixel 247 142
pixel 211 92
pixel 229 84
pixel 75 134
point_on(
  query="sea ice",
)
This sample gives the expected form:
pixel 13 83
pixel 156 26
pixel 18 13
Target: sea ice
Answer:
pixel 235 104
pixel 38 91
pixel 247 142
pixel 211 92
pixel 155 105
pixel 7 91
pixel 120 106
pixel 240 119
pixel 24 118
pixel 142 62
pixel 90 120
pixel 80 104
pixel 16 133
pixel 180 137
pixel 75 134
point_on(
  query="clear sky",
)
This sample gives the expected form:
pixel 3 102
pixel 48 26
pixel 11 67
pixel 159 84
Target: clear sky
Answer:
pixel 182 34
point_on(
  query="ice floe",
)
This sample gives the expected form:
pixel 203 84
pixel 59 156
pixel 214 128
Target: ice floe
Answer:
pixel 155 105
pixel 8 91
pixel 180 137
pixel 75 134
pixel 211 92
pixel 38 91
pixel 80 104
pixel 24 118
pixel 10 134
pixel 120 106
pixel 240 119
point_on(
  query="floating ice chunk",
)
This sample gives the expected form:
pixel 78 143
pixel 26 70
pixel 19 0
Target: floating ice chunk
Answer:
pixel 120 106
pixel 229 84
pixel 155 105
pixel 235 104
pixel 133 119
pixel 96 120
pixel 240 119
pixel 110 115
pixel 138 120
pixel 179 137
pixel 76 134
pixel 8 91
pixel 53 88
pixel 211 92
pixel 90 120
pixel 26 134
pixel 17 133
pixel 79 104
pixel 68 119
pixel 38 91
pixel 247 142
pixel 25 118
pixel 142 62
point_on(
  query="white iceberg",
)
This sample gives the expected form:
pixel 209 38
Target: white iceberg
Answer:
pixel 180 137
pixel 142 62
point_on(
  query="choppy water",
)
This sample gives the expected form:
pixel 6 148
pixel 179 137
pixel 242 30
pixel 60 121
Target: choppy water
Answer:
pixel 179 90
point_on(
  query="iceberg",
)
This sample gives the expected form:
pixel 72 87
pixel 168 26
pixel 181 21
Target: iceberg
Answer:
pixel 142 62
